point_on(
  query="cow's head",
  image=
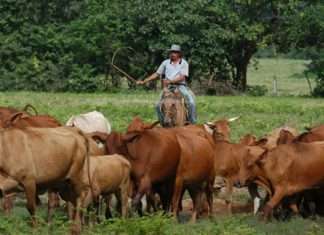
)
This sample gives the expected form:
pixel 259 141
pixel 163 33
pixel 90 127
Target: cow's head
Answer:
pixel 114 141
pixel 285 137
pixel 137 125
pixel 249 139
pixel 11 120
pixel 220 129
pixel 250 166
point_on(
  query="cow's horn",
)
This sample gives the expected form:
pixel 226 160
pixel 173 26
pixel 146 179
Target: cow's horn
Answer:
pixel 209 123
pixel 233 119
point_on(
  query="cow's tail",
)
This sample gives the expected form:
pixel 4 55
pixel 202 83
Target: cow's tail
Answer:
pixel 87 144
pixel 88 166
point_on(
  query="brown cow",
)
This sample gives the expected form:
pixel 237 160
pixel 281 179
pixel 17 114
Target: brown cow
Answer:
pixel 285 170
pixel 196 168
pixel 311 196
pixel 227 158
pixel 7 111
pixel 41 157
pixel 313 134
pixel 154 155
pixel 270 140
pixel 219 129
pixel 249 139
pixel 19 120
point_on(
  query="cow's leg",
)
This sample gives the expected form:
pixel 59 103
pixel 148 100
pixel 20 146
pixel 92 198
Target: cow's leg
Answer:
pixel 137 204
pixel 165 192
pixel 30 190
pixel 151 201
pixel 144 186
pixel 96 204
pixel 69 197
pixel 38 201
pixel 70 208
pixel 209 193
pixel 228 194
pixel 274 201
pixel 196 196
pixel 7 204
pixel 108 213
pixel 253 190
pixel 176 196
pixel 123 200
pixel 293 204
pixel 77 186
pixel 52 204
pixel 86 200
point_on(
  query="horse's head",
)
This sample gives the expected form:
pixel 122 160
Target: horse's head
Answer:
pixel 168 108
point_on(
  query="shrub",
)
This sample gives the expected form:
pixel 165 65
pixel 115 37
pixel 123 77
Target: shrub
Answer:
pixel 257 90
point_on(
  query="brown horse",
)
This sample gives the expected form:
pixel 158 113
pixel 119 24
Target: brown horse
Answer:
pixel 174 108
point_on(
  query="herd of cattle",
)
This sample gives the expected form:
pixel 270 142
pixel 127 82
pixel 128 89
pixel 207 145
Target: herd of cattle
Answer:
pixel 82 161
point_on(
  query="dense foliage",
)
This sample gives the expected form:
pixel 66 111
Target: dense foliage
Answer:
pixel 68 45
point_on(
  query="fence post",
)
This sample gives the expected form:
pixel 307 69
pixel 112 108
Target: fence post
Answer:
pixel 274 84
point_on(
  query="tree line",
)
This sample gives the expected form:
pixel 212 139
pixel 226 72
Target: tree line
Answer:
pixel 68 45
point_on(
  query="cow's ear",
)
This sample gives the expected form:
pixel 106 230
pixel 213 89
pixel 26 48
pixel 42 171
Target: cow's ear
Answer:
pixel 210 125
pixel 262 142
pixel 99 136
pixel 129 137
pixel 98 139
pixel 262 157
pixel 152 125
pixel 15 117
pixel 12 119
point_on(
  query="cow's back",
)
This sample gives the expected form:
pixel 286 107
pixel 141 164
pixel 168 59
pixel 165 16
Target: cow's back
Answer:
pixel 296 162
pixel 197 157
pixel 45 154
pixel 108 172
pixel 156 153
pixel 90 122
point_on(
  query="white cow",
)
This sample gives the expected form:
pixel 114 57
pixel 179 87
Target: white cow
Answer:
pixel 90 122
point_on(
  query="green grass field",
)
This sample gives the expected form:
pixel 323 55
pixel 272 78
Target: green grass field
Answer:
pixel 291 80
pixel 259 115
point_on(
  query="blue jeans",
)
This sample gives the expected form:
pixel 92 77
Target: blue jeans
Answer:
pixel 190 100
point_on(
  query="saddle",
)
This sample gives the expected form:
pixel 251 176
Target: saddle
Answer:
pixel 174 92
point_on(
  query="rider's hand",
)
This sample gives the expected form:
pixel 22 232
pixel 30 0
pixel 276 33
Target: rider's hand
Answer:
pixel 139 83
pixel 167 82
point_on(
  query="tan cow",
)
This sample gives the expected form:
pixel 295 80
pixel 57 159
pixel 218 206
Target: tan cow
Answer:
pixel 109 174
pixel 41 157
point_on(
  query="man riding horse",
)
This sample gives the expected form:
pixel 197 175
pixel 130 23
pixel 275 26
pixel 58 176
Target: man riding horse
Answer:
pixel 175 69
